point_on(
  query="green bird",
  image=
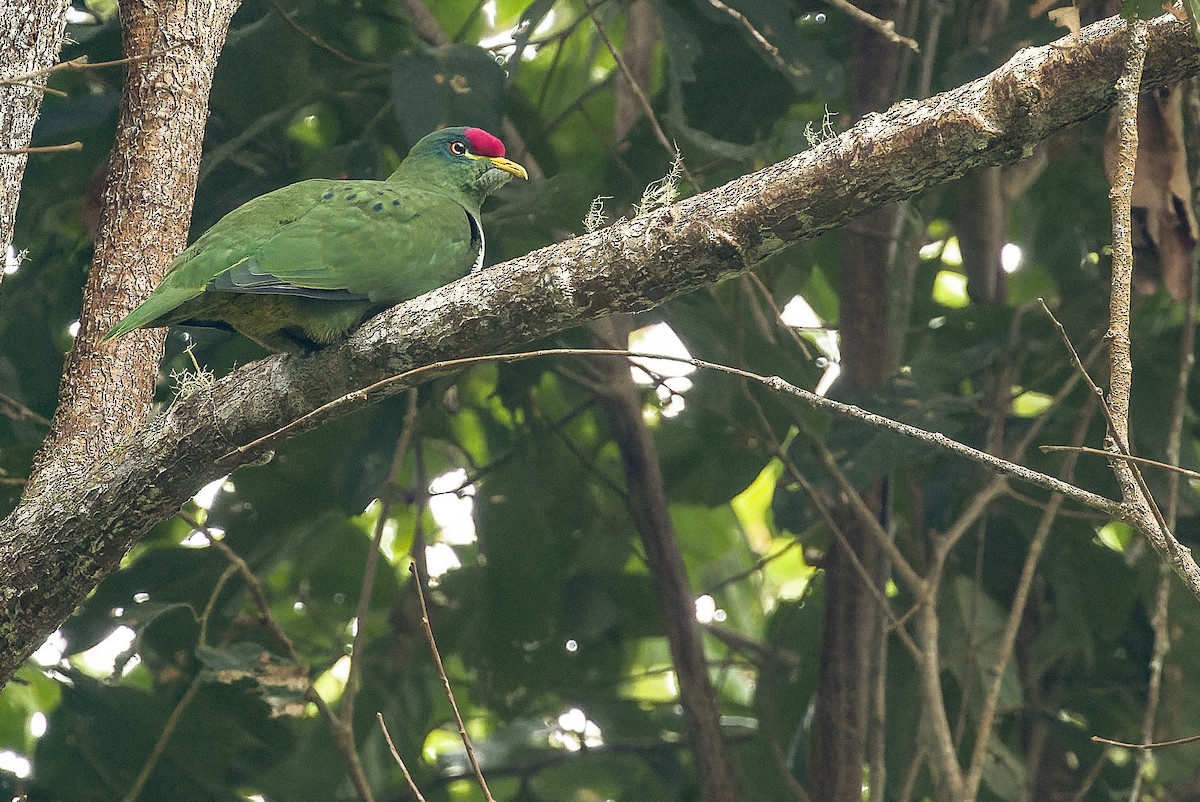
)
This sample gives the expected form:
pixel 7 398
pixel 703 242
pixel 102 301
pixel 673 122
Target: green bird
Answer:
pixel 300 267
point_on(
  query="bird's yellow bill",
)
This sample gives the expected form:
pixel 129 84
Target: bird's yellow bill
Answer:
pixel 508 166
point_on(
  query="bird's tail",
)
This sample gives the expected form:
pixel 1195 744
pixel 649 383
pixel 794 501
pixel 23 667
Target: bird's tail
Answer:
pixel 148 313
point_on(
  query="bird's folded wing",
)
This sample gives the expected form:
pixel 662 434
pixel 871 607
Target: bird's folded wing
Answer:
pixel 381 243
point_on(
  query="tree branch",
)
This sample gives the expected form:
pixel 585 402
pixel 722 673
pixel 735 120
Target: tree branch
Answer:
pixel 646 500
pixel 96 508
pixel 36 31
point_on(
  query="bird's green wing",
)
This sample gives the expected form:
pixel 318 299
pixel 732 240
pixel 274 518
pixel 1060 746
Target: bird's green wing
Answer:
pixel 337 240
pixel 363 240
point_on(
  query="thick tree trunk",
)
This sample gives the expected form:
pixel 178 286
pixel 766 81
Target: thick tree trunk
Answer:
pixel 107 387
pixel 31 33
pixel 62 539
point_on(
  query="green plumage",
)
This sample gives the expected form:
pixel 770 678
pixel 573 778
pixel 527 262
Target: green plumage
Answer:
pixel 299 267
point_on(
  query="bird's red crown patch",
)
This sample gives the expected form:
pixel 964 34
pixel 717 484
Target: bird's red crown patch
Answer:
pixel 483 143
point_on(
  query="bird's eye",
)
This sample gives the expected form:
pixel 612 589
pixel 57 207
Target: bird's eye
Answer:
pixel 458 148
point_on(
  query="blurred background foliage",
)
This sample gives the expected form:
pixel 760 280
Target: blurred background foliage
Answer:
pixel 511 490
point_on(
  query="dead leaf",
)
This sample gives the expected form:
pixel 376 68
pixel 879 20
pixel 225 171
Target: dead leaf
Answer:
pixel 1175 11
pixel 1164 222
pixel 1065 18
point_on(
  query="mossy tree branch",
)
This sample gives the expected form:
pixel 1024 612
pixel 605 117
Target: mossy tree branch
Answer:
pixel 66 535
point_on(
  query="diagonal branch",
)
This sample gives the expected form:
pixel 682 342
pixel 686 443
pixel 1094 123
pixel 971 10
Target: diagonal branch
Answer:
pixel 123 488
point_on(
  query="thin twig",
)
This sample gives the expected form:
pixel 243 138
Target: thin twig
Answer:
pixel 1088 499
pixel 418 581
pixel 160 745
pixel 426 26
pixel 884 27
pixel 14 410
pixel 1127 457
pixel 771 49
pixel 865 517
pixel 346 713
pixel 1090 778
pixel 387 736
pixel 759 564
pixel 930 672
pixel 172 723
pixel 253 586
pixel 769 300
pixel 667 144
pixel 343 736
pixel 1008 638
pixel 318 41
pixel 1141 510
pixel 780 453
pixel 49 90
pixel 43 149
pixel 1191 739
pixel 80 63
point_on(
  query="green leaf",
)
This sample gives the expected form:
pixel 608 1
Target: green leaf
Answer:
pixel 455 84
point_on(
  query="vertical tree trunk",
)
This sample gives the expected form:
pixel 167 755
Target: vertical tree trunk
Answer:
pixel 852 657
pixel 31 33
pixel 107 387
pixel 621 404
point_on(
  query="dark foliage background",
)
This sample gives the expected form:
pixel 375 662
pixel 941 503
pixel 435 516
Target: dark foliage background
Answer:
pixel 542 603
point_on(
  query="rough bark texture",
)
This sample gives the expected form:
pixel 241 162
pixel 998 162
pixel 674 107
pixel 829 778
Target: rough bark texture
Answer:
pixel 31 33
pixel 65 536
pixel 107 388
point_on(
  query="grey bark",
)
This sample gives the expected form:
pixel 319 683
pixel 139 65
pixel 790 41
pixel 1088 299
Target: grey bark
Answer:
pixel 31 34
pixel 106 388
pixel 79 526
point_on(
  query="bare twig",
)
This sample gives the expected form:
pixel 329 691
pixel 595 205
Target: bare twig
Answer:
pixel 172 722
pixel 771 49
pixel 1127 457
pixel 418 581
pixel 80 63
pixel 667 144
pixel 43 149
pixel 387 736
pixel 759 564
pixel 343 736
pixel 885 28
pixel 318 41
pixel 1089 779
pixel 865 517
pixel 1191 739
pixel 346 711
pixel 872 587
pixel 1139 508
pixel 1008 638
pixel 425 24
pixel 935 709
pixel 160 744
pixel 38 88
pixel 769 300
pixel 13 409
pixel 1088 499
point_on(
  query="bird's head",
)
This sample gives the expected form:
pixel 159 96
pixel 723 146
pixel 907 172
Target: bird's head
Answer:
pixel 466 160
